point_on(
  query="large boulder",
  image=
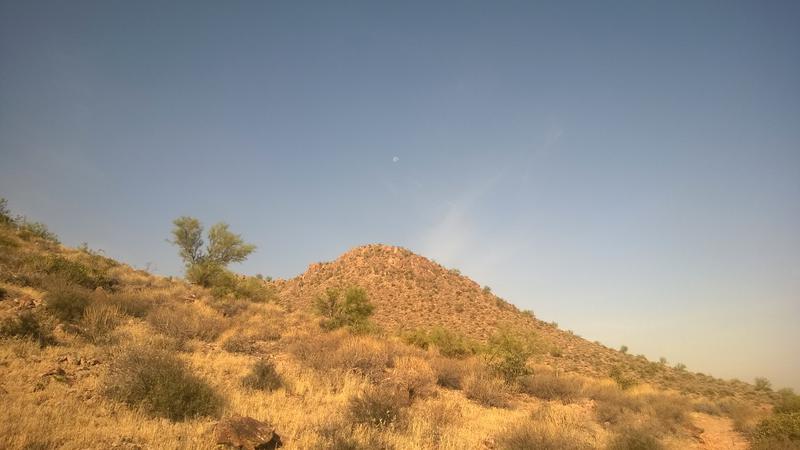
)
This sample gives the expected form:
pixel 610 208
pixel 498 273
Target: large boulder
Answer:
pixel 247 433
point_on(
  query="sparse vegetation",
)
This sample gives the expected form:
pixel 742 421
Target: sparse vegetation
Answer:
pixel 161 384
pixel 352 311
pixel 762 384
pixel 26 325
pixel 550 386
pixel 508 351
pixel 447 342
pixel 263 376
pixel 171 357
pixel 378 406
pixel 99 319
pixel 67 302
pixel 486 389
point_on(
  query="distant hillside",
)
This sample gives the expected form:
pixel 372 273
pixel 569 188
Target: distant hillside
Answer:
pixel 410 291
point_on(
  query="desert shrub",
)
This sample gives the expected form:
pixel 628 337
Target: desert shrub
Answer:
pixel 378 406
pixel 26 325
pixel 239 343
pixel 550 386
pixel 707 407
pixel 254 289
pixel 64 271
pixel 546 429
pixel 3 293
pixel 762 384
pixel 5 213
pixel 184 322
pixel 414 376
pixel 449 372
pixel 508 352
pixel 365 355
pixel 537 436
pixel 624 380
pixel 612 404
pixel 623 349
pixel 449 343
pixel 136 305
pixel 99 319
pixel 263 376
pixel 353 311
pixel 209 275
pixel 742 413
pixel 778 431
pixel 486 389
pixel 67 302
pixel 668 411
pixel 160 384
pixel 340 351
pixel 28 229
pixel 635 438
pixel 230 306
pixel 788 402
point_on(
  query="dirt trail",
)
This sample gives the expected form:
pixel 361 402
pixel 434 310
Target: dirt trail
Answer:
pixel 717 434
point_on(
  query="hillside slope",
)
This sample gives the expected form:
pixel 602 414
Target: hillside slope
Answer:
pixel 96 354
pixel 410 291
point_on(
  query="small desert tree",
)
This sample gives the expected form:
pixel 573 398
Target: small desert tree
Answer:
pixel 353 311
pixel 204 265
pixel 508 351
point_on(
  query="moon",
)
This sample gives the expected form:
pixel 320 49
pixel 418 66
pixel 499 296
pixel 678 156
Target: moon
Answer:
pixel 395 159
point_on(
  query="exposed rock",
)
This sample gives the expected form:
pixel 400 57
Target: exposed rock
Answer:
pixel 247 433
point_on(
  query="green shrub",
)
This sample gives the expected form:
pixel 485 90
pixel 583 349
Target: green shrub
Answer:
pixel 449 343
pixel 39 230
pixel 161 384
pixel 353 311
pixel 778 431
pixel 67 302
pixel 508 352
pixel 623 379
pixel 549 386
pixel 72 272
pixel 378 406
pixel 26 325
pixel 623 349
pixel 263 376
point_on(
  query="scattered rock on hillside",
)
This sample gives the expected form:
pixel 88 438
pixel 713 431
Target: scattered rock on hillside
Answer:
pixel 247 433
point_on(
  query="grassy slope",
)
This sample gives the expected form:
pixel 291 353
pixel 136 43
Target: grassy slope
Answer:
pixel 55 396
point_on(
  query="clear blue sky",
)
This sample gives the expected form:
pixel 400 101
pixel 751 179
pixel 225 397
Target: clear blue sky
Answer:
pixel 628 169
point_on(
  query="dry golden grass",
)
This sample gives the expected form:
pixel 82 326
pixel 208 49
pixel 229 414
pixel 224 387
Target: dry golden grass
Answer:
pixel 57 396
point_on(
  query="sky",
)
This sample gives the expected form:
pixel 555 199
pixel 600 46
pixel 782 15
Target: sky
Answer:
pixel 629 169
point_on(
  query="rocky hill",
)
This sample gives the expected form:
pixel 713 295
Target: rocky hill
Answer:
pixel 410 292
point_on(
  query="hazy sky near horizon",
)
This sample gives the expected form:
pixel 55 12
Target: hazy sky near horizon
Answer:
pixel 628 169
